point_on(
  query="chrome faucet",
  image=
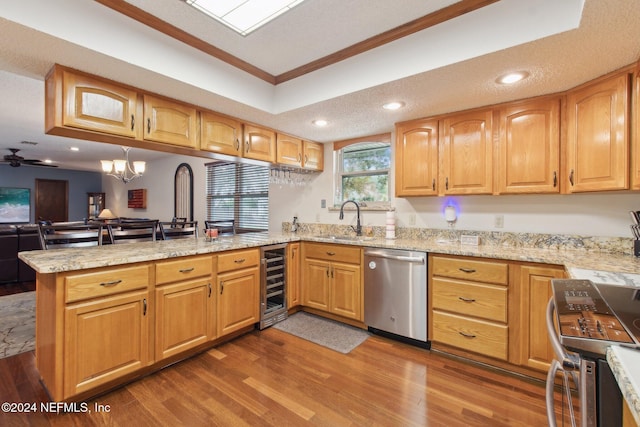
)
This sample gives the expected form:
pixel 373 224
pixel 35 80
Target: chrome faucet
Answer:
pixel 358 228
pixel 294 224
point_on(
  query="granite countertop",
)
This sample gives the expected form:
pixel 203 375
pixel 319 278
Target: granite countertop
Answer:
pixel 599 267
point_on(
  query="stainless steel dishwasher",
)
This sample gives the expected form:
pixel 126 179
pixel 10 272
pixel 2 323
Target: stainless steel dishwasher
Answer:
pixel 395 294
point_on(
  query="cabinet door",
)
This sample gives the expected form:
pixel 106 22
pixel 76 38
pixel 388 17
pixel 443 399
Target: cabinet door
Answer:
pixel 289 150
pixel 598 136
pixel 293 275
pixel 99 106
pixel 417 158
pixel 220 134
pixel 315 284
pixel 238 300
pixel 104 340
pixel 313 156
pixel 346 290
pixel 467 164
pixel 259 144
pixel 635 120
pixel 169 122
pixel 535 288
pixel 182 316
pixel 529 147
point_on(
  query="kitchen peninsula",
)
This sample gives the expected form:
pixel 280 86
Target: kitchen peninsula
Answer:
pixel 74 284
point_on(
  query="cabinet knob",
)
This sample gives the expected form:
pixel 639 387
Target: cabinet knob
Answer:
pixel 571 177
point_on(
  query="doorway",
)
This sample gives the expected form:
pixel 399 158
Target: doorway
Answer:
pixel 52 200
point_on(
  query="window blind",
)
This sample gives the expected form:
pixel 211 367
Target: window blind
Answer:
pixel 241 192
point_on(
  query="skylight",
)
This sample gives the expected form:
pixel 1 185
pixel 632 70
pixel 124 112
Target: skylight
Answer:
pixel 244 16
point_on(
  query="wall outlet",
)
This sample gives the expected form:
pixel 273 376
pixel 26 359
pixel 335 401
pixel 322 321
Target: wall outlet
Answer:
pixel 412 219
pixel 498 221
pixel 323 203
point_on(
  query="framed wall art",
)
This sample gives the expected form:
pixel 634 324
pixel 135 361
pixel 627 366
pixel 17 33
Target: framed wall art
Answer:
pixel 15 205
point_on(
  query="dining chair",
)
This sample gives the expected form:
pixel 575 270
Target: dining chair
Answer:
pixel 178 229
pixel 133 231
pixel 70 235
pixel 225 227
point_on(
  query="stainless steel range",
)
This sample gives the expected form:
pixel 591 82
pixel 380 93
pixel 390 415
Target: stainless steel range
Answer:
pixel 590 317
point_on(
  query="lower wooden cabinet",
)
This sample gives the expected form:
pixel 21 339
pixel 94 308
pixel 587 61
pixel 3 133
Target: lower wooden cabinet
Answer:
pixel 105 339
pixel 333 286
pixel 293 275
pixel 238 290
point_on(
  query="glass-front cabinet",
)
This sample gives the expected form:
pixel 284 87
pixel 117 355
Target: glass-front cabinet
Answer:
pixel 95 204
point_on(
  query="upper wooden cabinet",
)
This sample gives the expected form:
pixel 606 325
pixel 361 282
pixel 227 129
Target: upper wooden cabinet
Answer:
pixel 529 147
pixel 635 132
pixel 598 136
pixel 169 122
pixel 289 150
pixel 259 143
pixel 467 153
pixel 417 158
pixel 312 156
pixel 83 102
pixel 220 134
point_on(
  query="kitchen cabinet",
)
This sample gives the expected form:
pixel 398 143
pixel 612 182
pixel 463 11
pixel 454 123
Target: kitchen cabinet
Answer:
pixel 95 204
pixel 312 156
pixel 185 309
pixel 534 285
pixel 332 279
pixel 293 275
pixel 597 149
pixel 259 143
pixel 635 130
pixel 105 334
pixel 467 153
pixel 169 122
pixel 220 134
pixel 469 304
pixel 238 290
pixel 416 158
pixel 289 150
pixel 529 147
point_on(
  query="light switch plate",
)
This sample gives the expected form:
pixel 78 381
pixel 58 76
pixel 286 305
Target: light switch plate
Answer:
pixel 466 239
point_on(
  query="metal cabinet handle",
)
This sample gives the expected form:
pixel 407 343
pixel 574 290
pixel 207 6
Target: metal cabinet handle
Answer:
pixel 209 285
pixel 332 273
pixel 306 158
pixel 330 253
pixel 133 122
pixel 571 177
pixel 466 299
pixel 300 157
pixel 149 125
pixel 433 184
pixel 239 261
pixel 555 178
pixel 446 183
pixel 466 335
pixel 237 144
pixel 467 270
pixel 221 287
pixel 144 306
pixel 327 272
pixel 112 283
pixel 187 270
pixel 246 146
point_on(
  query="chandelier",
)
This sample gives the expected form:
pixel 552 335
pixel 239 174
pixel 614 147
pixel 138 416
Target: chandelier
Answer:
pixel 121 169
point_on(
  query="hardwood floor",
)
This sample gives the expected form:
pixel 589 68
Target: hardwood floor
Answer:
pixel 271 378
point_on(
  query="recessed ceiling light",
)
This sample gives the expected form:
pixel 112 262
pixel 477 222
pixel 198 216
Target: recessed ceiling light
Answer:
pixel 393 105
pixel 243 16
pixel 47 161
pixel 74 149
pixel 320 122
pixel 511 78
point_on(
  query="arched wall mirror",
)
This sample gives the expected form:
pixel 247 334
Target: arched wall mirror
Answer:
pixel 183 192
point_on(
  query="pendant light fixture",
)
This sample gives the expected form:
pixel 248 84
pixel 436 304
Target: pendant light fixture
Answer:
pixel 121 169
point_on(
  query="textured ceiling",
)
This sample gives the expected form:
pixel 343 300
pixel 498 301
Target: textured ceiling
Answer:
pixel 91 37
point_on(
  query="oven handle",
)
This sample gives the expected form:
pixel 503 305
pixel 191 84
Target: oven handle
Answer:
pixel 549 396
pixel 551 332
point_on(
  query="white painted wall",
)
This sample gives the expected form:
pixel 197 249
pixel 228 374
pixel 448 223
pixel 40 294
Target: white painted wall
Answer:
pixel 593 214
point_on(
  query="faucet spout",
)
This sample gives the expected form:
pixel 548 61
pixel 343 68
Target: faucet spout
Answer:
pixel 341 216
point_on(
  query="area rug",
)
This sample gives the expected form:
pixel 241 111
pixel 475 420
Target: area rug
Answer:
pixel 17 323
pixel 328 333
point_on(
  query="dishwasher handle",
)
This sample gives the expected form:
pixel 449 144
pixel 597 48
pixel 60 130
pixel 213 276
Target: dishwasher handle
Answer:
pixel 417 259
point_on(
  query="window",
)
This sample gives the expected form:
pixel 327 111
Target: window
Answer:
pixel 362 170
pixel 240 192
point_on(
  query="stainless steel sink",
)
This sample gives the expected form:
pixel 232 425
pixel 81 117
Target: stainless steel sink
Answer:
pixel 343 238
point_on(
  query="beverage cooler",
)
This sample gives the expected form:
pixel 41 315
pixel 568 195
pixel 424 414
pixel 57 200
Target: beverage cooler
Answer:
pixel 273 288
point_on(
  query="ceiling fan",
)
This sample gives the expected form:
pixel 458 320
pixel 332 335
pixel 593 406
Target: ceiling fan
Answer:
pixel 15 161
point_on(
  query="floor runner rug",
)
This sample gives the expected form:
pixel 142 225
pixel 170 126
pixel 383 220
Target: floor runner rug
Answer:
pixel 17 323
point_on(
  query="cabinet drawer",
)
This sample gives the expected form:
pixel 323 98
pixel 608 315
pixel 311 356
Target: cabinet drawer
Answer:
pixel 486 301
pixel 346 254
pixel 181 269
pixel 478 336
pixel 105 282
pixel 238 259
pixel 470 269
